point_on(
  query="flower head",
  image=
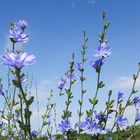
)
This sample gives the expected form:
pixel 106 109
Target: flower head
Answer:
pixel 22 133
pixel 16 117
pixel 17 31
pixel 97 64
pixel 22 24
pixel 79 66
pixel 18 60
pixel 102 51
pixel 93 128
pixel 34 133
pixel 65 126
pixel 81 125
pixel 137 116
pixel 18 36
pixel 120 96
pixel 99 116
pixel 62 82
pixel 1 91
pixel 11 138
pixel 136 102
pixel 71 77
pixel 122 122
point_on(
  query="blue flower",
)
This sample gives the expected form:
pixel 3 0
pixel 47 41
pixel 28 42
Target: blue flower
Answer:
pixel 88 120
pixel 22 133
pixel 62 82
pixel 137 116
pixel 16 117
pixel 11 138
pixel 122 122
pixel 18 36
pixel 136 102
pixel 109 138
pixel 1 91
pixel 79 66
pixel 45 136
pixel 120 96
pixel 81 125
pixel 34 133
pixel 71 77
pixel 18 60
pixel 65 138
pixel 93 128
pixel 102 51
pixel 22 24
pixel 97 63
pixel 99 116
pixel 65 126
pixel 51 138
pixel 3 124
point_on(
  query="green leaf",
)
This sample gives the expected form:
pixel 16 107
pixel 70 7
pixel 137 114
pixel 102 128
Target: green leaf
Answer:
pixel 30 101
pixel 100 85
pixel 84 33
pixel 95 101
pixel 11 26
pixel 91 101
pixel 134 77
pixel 80 103
pixel 16 83
pixel 86 40
pixel 106 25
pixel 84 91
pixel 134 91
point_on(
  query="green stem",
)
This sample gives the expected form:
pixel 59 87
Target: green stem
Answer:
pixel 13 46
pixel 115 115
pixel 132 91
pixel 37 101
pixel 27 111
pixel 96 93
pixel 82 96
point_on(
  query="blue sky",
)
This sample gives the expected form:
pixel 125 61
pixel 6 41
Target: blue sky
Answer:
pixel 55 30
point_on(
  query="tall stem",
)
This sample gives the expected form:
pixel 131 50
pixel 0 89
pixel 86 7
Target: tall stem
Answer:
pixel 67 113
pixel 83 51
pixel 96 93
pixel 27 111
pixel 132 91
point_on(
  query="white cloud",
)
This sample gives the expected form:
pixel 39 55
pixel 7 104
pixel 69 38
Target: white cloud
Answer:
pixel 43 92
pixel 124 82
pixel 74 3
pixel 44 87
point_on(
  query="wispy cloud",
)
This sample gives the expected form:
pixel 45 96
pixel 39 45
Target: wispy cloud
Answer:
pixel 44 87
pixel 43 92
pixel 91 2
pixel 124 82
pixel 73 4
